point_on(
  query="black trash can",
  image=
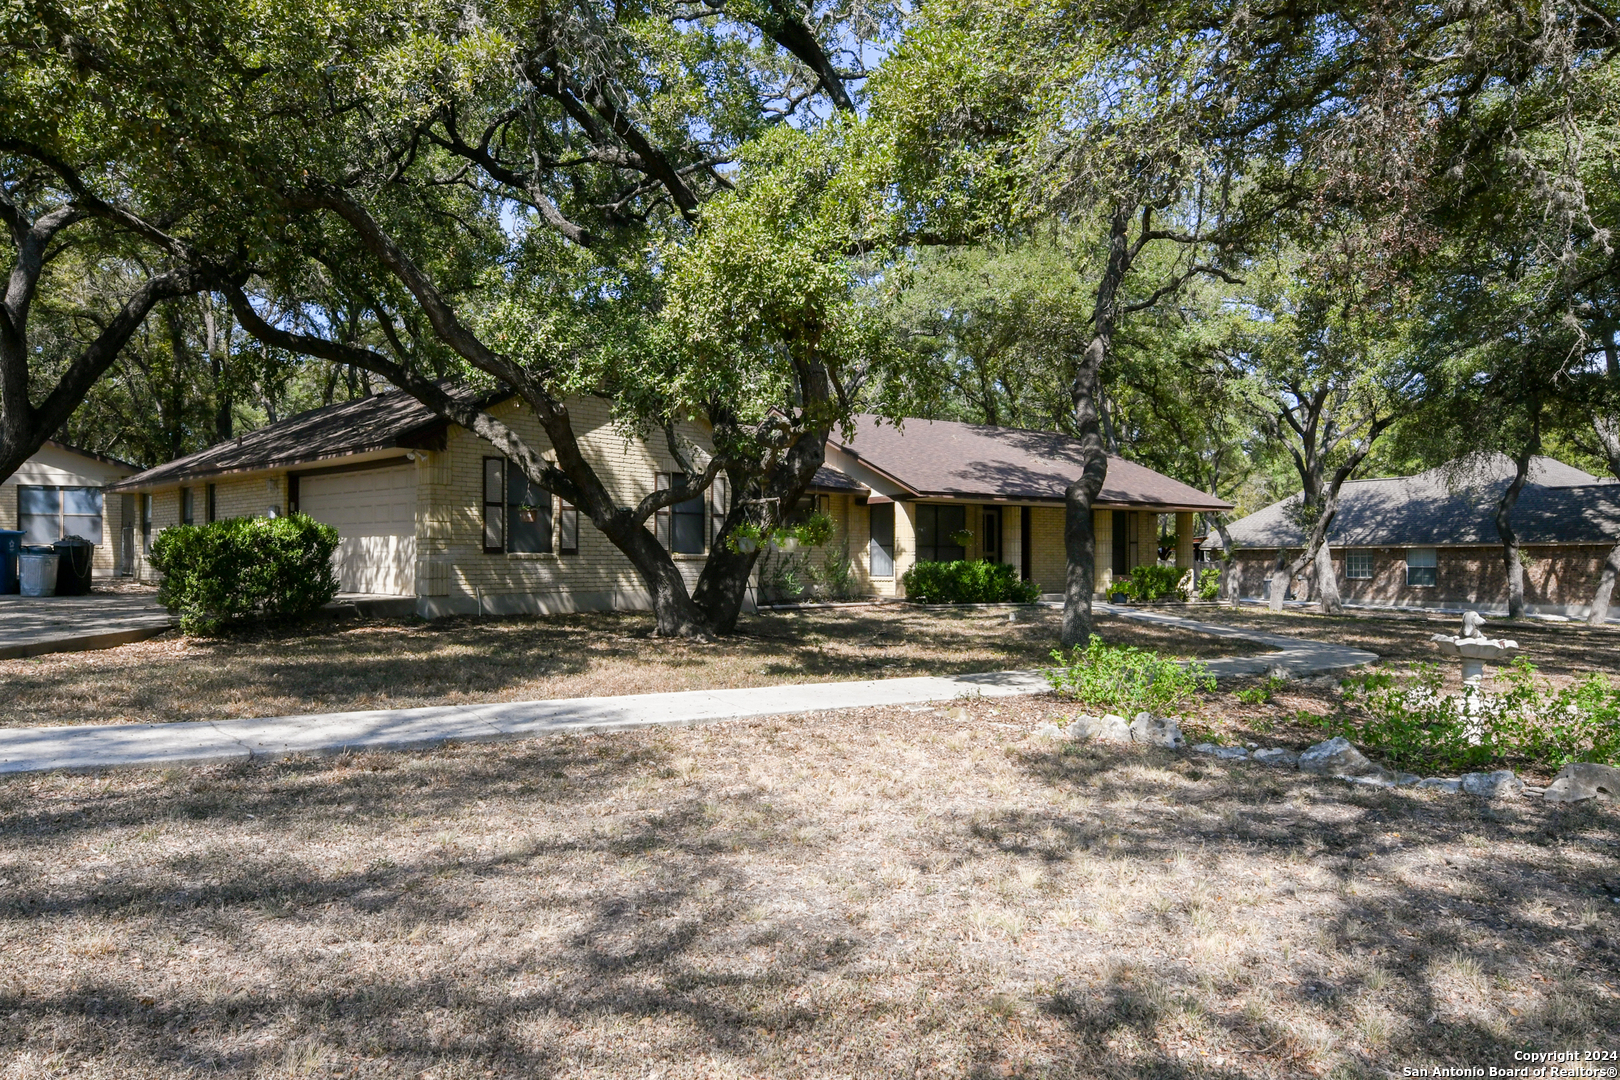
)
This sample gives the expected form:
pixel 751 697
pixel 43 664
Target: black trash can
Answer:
pixel 75 556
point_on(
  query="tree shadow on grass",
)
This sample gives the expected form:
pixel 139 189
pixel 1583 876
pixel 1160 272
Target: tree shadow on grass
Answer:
pixel 651 947
pixel 1393 906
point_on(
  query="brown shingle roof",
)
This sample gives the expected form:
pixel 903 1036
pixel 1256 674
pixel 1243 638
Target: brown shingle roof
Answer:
pixel 379 422
pixel 944 458
pixel 828 478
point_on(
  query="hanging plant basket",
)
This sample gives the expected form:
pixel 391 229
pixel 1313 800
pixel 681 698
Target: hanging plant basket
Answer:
pixel 962 538
pixel 528 514
pixel 747 545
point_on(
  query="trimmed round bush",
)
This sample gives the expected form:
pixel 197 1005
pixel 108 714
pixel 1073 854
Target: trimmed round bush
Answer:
pixel 245 570
pixel 967 582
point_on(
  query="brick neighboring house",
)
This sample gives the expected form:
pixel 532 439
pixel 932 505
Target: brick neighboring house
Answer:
pixel 1430 540
pixel 428 510
pixel 60 491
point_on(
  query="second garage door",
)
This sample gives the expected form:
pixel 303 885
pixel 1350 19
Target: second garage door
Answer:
pixel 374 513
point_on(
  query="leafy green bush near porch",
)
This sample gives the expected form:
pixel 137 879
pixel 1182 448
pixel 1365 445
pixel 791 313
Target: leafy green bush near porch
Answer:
pixel 967 582
pixel 245 569
pixel 1155 582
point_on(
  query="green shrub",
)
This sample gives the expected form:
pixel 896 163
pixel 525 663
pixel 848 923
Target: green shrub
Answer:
pixel 1262 694
pixel 245 569
pixel 967 582
pixel 1209 584
pixel 1126 679
pixel 1156 582
pixel 1415 724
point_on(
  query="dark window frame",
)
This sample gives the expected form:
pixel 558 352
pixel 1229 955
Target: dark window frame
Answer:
pixel 146 523
pixel 990 539
pixel 880 540
pixel 213 503
pixel 938 532
pixel 668 520
pixel 1431 572
pixel 188 506
pixel 514 523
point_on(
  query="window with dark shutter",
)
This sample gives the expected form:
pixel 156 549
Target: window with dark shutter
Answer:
pixel 213 503
pixel 568 529
pixel 188 506
pixel 494 505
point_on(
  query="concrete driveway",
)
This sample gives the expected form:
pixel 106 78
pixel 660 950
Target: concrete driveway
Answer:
pixel 32 625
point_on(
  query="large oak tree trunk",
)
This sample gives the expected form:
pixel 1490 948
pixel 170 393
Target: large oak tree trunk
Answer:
pixel 1079 539
pixel 1608 434
pixel 1327 582
pixel 1510 539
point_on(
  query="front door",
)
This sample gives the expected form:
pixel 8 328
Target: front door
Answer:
pixel 992 534
pixel 126 535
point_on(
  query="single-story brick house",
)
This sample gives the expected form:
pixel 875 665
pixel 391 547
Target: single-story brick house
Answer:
pixel 428 510
pixel 1430 540
pixel 61 491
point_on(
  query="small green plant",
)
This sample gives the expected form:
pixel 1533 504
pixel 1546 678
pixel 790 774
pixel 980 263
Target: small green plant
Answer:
pixel 244 570
pixel 837 577
pixel 1262 694
pixel 1156 582
pixel 962 537
pixel 747 538
pixel 1126 679
pixel 1416 724
pixel 967 582
pixel 1209 583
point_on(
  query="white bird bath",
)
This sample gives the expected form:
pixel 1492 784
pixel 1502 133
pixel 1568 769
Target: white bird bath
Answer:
pixel 1473 648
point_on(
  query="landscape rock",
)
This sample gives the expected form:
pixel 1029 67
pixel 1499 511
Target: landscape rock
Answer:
pixel 1276 755
pixel 1501 784
pixel 1048 731
pixel 1157 731
pixel 1337 757
pixel 1107 728
pixel 1407 779
pixel 1582 780
pixel 1221 751
pixel 1441 782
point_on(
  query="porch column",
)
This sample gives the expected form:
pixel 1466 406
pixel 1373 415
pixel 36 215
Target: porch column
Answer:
pixel 1184 540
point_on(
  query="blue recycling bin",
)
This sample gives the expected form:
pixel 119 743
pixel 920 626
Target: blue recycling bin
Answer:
pixel 10 548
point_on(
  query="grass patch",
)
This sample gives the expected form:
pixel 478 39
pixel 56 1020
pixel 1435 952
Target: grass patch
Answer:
pixel 886 892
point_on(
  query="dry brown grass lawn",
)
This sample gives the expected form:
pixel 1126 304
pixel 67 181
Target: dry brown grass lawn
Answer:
pixel 884 893
pixel 402 664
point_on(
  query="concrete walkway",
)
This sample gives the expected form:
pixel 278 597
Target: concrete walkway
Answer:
pixel 195 742
pixel 31 625
pixel 1295 655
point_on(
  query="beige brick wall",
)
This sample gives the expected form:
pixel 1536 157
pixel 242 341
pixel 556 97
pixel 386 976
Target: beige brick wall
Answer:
pixel 455 575
pixel 1051 563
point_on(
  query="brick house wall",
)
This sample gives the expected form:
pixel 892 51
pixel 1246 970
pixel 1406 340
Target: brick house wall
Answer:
pixel 1557 578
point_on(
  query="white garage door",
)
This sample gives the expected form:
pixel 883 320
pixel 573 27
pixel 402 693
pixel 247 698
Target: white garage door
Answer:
pixel 374 513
